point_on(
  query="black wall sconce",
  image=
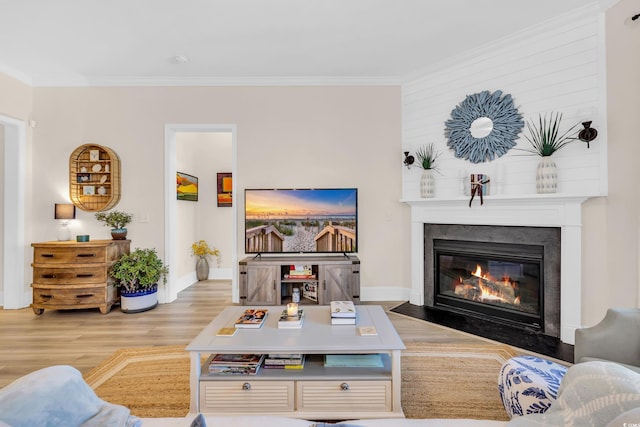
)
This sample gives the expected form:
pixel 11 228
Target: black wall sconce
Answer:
pixel 408 160
pixel 587 134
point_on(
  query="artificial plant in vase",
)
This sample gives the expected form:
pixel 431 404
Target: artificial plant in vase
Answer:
pixel 545 139
pixel 117 220
pixel 137 274
pixel 202 250
pixel 426 157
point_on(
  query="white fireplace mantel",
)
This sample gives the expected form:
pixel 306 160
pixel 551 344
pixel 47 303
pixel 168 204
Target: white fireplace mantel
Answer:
pixel 533 210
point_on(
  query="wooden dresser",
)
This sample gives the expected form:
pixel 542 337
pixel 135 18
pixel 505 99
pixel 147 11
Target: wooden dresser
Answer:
pixel 71 275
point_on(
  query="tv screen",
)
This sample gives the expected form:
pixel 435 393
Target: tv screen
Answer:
pixel 322 220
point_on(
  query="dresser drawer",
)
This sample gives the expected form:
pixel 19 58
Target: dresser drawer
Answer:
pixel 68 255
pixel 60 275
pixel 73 296
pixel 246 396
pixel 343 396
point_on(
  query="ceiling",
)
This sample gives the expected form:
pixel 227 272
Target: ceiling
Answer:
pixel 98 42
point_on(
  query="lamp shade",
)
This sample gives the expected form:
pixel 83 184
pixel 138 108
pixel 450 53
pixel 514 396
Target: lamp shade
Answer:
pixel 65 211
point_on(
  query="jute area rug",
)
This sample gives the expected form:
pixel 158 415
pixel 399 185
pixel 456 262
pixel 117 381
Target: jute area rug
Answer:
pixel 438 380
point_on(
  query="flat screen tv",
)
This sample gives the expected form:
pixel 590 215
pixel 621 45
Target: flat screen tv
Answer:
pixel 319 220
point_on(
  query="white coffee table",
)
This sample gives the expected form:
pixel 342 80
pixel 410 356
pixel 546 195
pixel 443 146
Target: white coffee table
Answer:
pixel 316 392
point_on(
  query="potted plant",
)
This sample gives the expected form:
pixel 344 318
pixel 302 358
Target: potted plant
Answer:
pixel 426 157
pixel 202 250
pixel 136 274
pixel 545 139
pixel 117 221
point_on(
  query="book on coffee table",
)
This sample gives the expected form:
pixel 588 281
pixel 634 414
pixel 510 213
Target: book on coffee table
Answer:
pixel 252 318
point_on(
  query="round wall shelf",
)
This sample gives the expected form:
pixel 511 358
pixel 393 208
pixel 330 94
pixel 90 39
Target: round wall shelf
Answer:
pixel 94 178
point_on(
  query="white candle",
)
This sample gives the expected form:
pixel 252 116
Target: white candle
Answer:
pixel 292 309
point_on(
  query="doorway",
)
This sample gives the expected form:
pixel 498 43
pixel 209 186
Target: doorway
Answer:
pixel 170 292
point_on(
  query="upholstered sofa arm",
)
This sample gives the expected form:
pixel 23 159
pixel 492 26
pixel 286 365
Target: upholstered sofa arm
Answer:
pixel 616 338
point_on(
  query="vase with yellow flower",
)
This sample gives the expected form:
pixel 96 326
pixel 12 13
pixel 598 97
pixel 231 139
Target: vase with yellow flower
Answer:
pixel 202 251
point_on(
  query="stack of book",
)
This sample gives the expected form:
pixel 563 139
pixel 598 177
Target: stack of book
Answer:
pixel 300 272
pixel 343 313
pixel 235 364
pixel 252 318
pixel 284 361
pixel 293 322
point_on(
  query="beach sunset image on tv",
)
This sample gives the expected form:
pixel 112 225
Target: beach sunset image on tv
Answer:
pixel 301 220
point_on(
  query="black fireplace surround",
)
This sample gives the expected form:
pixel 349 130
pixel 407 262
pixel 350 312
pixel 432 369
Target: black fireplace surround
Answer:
pixel 528 316
pixel 481 236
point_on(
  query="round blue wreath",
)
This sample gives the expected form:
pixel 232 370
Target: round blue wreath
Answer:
pixel 507 124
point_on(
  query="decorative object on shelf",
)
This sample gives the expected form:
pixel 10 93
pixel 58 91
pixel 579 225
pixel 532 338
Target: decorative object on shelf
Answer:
pixel 587 134
pixel 64 212
pixel 545 139
pixel 483 127
pixel 479 186
pixel 117 221
pixel 427 156
pixel 546 176
pixel 202 250
pixel 82 238
pixel 137 275
pixel 92 164
pixel 225 189
pixel 408 160
pixel 186 187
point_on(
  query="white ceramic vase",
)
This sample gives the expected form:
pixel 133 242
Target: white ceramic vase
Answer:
pixel 427 184
pixel 546 176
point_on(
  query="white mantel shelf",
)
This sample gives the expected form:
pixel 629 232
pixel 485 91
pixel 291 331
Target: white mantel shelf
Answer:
pixel 531 210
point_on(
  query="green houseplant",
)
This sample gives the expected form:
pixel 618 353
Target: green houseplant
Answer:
pixel 117 220
pixel 545 139
pixel 137 274
pixel 426 157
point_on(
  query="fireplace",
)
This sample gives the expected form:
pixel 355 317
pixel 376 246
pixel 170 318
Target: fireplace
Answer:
pixel 500 274
pixel 499 280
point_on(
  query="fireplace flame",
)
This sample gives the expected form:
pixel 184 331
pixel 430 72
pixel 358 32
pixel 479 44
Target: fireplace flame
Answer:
pixel 488 288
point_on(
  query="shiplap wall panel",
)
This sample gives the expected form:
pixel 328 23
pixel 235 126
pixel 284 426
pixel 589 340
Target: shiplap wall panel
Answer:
pixel 553 67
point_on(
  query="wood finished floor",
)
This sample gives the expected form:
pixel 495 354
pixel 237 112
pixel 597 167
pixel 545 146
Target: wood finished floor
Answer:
pixel 83 338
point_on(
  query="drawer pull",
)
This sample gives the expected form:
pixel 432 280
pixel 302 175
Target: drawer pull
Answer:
pixel 86 255
pixel 344 386
pixel 46 296
pixel 246 386
pixel 84 296
pixel 47 255
pixel 48 276
pixel 84 275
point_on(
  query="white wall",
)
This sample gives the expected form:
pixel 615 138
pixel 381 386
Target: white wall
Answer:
pixel 554 67
pixel 286 137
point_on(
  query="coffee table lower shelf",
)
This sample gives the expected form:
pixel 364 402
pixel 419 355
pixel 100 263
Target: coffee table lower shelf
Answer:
pixel 316 392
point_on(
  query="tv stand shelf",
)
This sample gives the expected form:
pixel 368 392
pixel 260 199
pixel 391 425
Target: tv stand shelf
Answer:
pixel 267 280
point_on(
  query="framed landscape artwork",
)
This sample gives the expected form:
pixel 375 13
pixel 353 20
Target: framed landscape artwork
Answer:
pixel 225 196
pixel 187 187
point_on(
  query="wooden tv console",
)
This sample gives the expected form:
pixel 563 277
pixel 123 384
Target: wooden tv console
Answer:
pixel 265 280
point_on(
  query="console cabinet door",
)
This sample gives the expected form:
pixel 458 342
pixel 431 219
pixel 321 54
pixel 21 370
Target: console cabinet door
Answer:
pixel 262 283
pixel 338 283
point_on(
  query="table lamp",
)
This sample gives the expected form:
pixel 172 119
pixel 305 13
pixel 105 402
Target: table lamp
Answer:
pixel 64 212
